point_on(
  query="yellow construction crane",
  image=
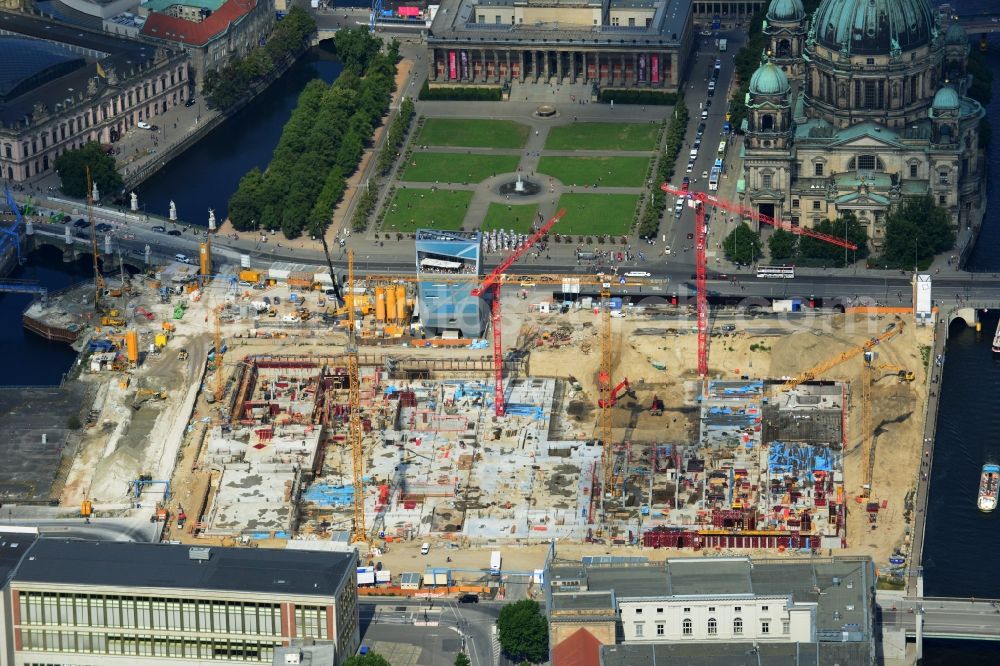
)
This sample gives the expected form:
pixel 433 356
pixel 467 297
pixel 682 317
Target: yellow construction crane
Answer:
pixel 818 370
pixel 99 285
pixel 355 433
pixel 220 386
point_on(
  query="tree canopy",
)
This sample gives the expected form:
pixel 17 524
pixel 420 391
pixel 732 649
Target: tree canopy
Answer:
pixel 462 660
pixel 917 230
pixel 225 87
pixel 742 245
pixel 72 169
pixel 523 631
pixel 370 659
pixel 320 146
pixel 782 245
pixel 816 251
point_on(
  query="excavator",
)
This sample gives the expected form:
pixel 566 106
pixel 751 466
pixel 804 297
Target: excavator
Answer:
pixel 143 395
pixel 623 388
pixel 904 376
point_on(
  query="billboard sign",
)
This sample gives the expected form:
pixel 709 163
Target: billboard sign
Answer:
pixel 923 298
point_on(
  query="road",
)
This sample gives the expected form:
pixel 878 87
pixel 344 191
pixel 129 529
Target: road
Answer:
pixel 382 619
pixel 946 618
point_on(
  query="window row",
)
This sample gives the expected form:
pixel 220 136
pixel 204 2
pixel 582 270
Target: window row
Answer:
pixel 191 615
pixel 147 646
pixel 712 626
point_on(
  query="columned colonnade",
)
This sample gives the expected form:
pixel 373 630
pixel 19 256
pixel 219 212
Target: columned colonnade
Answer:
pixel 651 69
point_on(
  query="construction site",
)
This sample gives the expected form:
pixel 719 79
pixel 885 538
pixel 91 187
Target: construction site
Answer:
pixel 292 407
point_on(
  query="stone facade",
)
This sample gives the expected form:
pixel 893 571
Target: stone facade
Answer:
pixel 858 125
pixel 102 106
pixel 605 43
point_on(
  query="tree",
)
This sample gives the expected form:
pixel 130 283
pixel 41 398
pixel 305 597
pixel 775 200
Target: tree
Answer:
pixel 72 169
pixel 462 660
pixel 847 227
pixel 370 659
pixel 916 230
pixel 356 48
pixel 783 245
pixel 523 631
pixel 742 245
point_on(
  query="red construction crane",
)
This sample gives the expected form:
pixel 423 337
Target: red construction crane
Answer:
pixel 493 281
pixel 701 199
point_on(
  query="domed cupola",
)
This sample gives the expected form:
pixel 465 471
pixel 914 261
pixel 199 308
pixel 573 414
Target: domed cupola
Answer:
pixel 873 27
pixel 785 11
pixel 956 36
pixel 768 80
pixel 946 99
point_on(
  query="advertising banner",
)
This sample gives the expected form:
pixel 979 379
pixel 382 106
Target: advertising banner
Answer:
pixel 655 66
pixel 452 69
pixel 465 64
pixel 642 68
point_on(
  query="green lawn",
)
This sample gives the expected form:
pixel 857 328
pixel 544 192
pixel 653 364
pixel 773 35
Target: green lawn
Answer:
pixel 510 217
pixel 452 168
pixel 473 133
pixel 600 171
pixel 603 136
pixel 595 214
pixel 418 209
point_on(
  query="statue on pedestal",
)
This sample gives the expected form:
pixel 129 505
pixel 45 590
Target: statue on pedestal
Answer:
pixel 135 202
pixel 173 211
pixel 211 219
pixel 94 194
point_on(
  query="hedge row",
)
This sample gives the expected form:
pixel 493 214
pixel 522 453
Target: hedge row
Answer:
pixel 429 94
pixel 397 132
pixel 649 225
pixel 650 97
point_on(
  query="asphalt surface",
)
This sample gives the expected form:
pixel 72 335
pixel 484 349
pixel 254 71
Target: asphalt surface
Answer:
pixel 453 627
pixel 946 618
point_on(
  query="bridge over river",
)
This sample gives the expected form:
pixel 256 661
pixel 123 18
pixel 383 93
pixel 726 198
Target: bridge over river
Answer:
pixel 916 618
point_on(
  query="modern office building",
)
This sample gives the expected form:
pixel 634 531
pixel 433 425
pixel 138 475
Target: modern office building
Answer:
pixel 73 602
pixel 62 86
pixel 811 611
pixel 607 43
pixel 213 32
pixel 861 105
pixel 448 305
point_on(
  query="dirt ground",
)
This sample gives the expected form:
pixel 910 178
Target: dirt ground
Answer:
pixel 897 417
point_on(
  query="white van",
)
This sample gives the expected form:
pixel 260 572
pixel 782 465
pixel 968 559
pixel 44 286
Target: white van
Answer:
pixel 693 154
pixel 425 548
pixel 183 258
pixel 637 274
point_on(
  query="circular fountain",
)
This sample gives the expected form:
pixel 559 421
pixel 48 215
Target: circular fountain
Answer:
pixel 520 187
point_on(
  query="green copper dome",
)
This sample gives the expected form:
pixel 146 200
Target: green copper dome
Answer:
pixel 873 27
pixel 768 80
pixel 956 35
pixel 946 98
pixel 785 10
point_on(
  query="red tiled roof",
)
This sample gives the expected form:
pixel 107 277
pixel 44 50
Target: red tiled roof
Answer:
pixel 176 29
pixel 580 649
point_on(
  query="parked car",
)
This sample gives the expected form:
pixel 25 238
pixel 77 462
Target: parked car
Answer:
pixel 81 224
pixel 189 102
pixel 103 226
pixel 160 228
pixel 174 232
pixel 469 599
pixel 142 125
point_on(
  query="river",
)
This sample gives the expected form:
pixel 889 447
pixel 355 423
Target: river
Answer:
pixel 207 174
pixel 202 177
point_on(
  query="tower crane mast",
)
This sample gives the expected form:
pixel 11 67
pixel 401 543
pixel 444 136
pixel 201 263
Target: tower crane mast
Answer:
pixel 99 285
pixel 492 281
pixel 701 199
pixel 355 433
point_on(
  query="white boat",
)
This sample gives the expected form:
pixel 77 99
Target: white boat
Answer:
pixel 988 488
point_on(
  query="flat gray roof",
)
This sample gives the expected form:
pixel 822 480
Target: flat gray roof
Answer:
pixel 127 565
pixel 13 546
pixel 736 654
pixel 693 576
pixel 583 601
pixel 455 23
